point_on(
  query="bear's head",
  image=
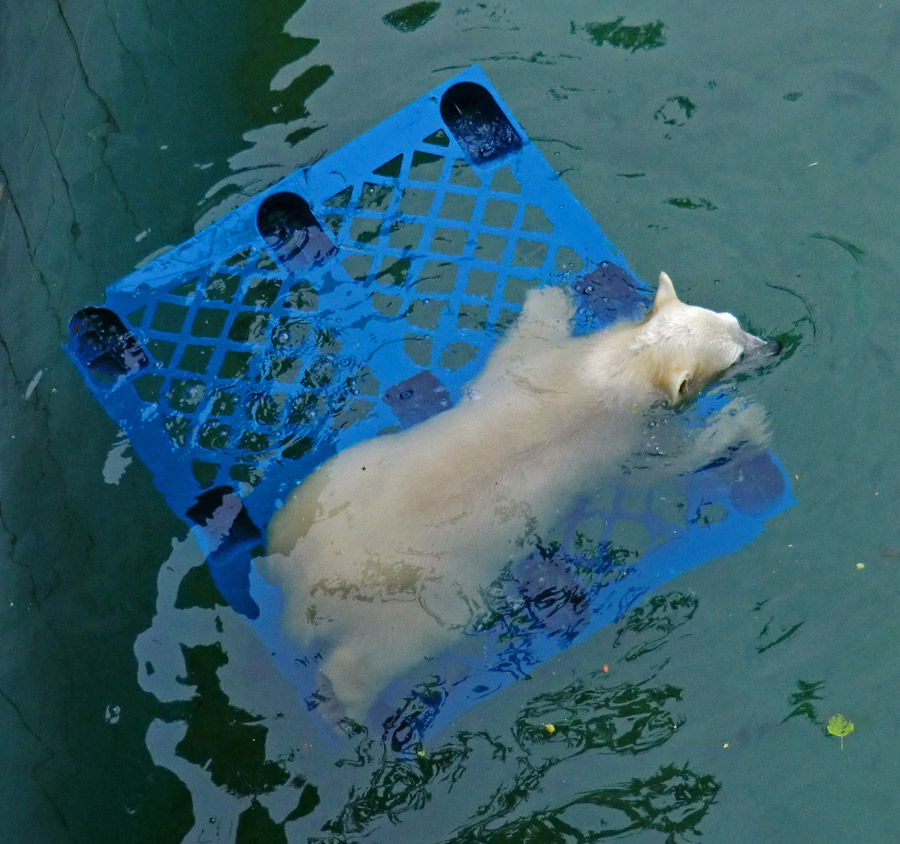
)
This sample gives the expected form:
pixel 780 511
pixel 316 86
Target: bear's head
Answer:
pixel 689 346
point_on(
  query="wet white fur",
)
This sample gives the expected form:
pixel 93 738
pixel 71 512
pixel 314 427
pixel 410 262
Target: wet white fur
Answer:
pixel 382 551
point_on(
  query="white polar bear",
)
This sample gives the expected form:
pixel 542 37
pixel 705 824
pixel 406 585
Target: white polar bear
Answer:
pixel 381 552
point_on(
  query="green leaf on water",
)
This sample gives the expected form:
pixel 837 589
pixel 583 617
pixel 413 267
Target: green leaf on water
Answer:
pixel 839 726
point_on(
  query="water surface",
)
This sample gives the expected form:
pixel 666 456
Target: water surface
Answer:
pixel 753 155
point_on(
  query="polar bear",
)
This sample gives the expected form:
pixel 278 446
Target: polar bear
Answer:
pixel 381 552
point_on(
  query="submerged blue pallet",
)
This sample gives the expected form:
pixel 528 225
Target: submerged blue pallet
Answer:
pixel 356 297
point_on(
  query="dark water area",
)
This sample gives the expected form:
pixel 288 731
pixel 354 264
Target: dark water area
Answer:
pixel 751 152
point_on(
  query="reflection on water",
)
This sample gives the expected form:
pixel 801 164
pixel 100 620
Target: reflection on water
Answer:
pixel 273 80
pixel 630 37
pixel 258 764
pixel 671 801
pixel 228 742
pixel 412 17
pixel 651 623
pixel 628 718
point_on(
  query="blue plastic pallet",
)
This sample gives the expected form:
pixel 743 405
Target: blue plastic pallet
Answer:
pixel 356 297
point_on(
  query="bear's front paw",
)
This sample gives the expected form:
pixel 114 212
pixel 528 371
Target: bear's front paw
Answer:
pixel 547 308
pixel 738 425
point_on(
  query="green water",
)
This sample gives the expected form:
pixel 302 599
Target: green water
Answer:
pixel 749 150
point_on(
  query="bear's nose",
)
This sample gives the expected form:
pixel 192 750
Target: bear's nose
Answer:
pixel 760 354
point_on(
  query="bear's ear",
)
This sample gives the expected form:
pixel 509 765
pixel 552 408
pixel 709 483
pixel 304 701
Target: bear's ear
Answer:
pixel 677 385
pixel 665 293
